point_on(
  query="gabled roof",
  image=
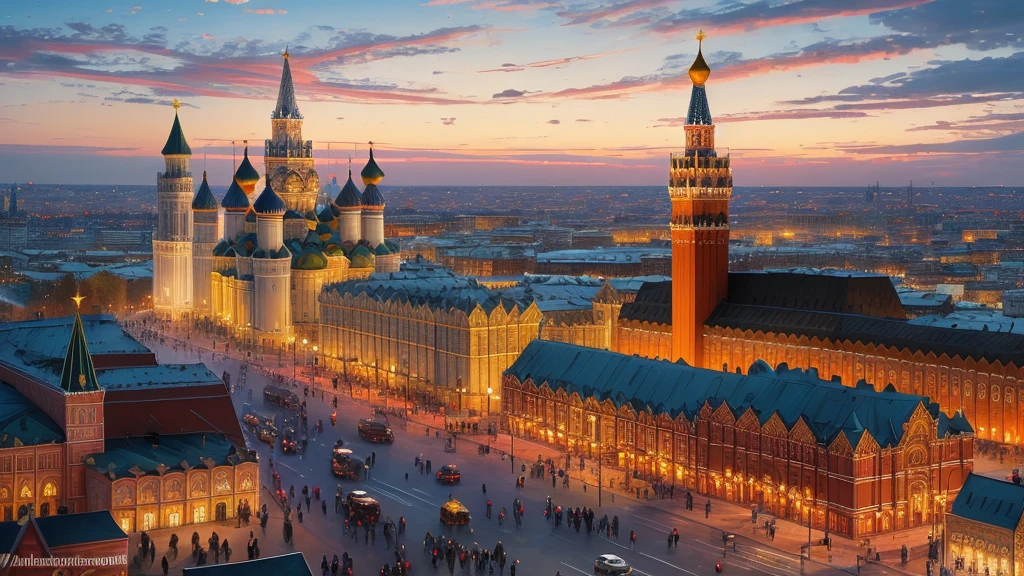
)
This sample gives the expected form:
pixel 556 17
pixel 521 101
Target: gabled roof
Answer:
pixel 293 564
pixel 204 199
pixel 121 456
pixel 827 407
pixel 990 501
pixel 69 529
pixel 23 423
pixel 853 293
pixel 78 374
pixel 176 144
pixel 653 304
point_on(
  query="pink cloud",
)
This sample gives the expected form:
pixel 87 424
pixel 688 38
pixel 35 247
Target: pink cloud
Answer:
pixel 208 36
pixel 614 11
pixel 555 62
pixel 264 11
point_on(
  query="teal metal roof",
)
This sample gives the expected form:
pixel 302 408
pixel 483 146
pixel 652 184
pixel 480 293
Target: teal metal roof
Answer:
pixel 269 202
pixel 22 422
pixel 293 564
pixel 69 529
pixel 990 501
pixel 349 196
pixel 176 144
pixel 827 407
pixel 246 172
pixel 235 199
pixel 372 196
pixel 78 374
pixel 204 199
pixel 122 455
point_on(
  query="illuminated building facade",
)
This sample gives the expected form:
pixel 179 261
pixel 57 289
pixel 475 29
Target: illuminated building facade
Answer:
pixel 102 426
pixel 985 528
pixel 172 245
pixel 847 460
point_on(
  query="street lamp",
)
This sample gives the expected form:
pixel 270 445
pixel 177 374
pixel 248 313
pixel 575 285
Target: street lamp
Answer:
pixel 600 479
pixel 291 340
pixel 312 368
pixel 489 392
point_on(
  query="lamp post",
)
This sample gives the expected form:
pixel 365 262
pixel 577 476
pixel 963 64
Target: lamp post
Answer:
pixel 512 448
pixel 304 342
pixel 295 361
pixel 489 392
pixel 312 368
pixel 600 479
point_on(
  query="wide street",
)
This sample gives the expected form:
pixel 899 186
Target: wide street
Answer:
pixel 403 491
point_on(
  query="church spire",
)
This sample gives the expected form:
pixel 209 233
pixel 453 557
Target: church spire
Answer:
pixel 699 113
pixel 287 107
pixel 78 374
pixel 176 144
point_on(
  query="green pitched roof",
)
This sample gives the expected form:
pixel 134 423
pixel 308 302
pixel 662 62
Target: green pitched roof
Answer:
pixel 176 144
pixel 990 501
pixel 87 527
pixel 78 374
pixel 293 564
pixel 827 407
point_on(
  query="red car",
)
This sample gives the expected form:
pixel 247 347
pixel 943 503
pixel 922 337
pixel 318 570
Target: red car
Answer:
pixel 449 474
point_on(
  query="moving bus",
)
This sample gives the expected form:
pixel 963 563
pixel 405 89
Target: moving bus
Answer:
pixel 373 431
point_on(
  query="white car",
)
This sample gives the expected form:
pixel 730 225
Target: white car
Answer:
pixel 611 565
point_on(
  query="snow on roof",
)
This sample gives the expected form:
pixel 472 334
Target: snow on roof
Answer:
pixel 619 255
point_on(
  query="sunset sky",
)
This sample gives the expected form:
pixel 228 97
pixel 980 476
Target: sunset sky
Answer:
pixel 510 92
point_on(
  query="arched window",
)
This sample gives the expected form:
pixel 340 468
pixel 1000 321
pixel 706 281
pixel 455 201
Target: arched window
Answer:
pixel 26 492
pixel 49 490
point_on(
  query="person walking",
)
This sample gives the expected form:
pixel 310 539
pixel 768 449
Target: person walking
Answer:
pixel 707 509
pixel 163 565
pixel 632 539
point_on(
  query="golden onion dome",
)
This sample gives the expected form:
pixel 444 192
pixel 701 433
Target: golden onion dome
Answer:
pixel 699 70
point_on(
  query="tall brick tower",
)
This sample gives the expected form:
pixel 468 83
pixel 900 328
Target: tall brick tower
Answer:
pixel 700 185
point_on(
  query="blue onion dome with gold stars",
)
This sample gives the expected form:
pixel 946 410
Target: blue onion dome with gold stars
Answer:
pixel 371 174
pixel 204 200
pixel 246 175
pixel 349 197
pixel 269 203
pixel 235 200
pixel 176 144
pixel 372 196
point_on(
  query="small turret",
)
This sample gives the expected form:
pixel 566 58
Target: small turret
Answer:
pixel 204 200
pixel 372 174
pixel 247 176
pixel 373 202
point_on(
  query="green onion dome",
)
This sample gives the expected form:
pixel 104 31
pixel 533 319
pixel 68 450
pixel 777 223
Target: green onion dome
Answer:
pixel 381 250
pixel 235 200
pixel 269 203
pixel 362 257
pixel 311 258
pixel 204 200
pixel 246 175
pixel 371 174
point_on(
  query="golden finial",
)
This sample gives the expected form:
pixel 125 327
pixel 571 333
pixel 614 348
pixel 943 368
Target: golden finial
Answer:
pixel 176 104
pixel 78 300
pixel 699 70
pixel 81 380
pixel 285 53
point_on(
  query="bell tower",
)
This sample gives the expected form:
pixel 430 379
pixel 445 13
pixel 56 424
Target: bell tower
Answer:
pixel 699 186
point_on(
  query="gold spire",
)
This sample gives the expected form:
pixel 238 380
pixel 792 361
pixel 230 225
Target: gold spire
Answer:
pixel 176 104
pixel 78 301
pixel 699 70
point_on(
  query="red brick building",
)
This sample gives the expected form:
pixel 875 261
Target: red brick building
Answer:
pixel 68 544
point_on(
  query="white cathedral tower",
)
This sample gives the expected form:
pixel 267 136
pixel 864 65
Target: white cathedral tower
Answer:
pixel 205 234
pixel 172 246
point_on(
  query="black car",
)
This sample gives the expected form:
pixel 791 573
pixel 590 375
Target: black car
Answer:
pixel 449 474
pixel 362 507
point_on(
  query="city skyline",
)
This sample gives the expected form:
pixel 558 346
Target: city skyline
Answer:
pixel 519 92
